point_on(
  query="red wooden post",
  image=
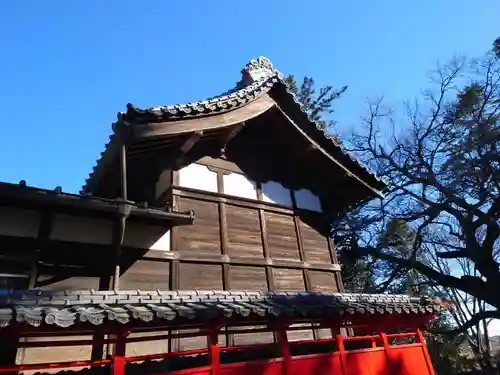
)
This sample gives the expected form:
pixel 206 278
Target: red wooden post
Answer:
pixel 342 355
pixel 421 341
pixel 118 366
pixel 214 350
pixel 284 348
pixel 387 350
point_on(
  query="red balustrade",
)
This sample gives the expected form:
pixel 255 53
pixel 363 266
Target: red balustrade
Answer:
pixel 378 357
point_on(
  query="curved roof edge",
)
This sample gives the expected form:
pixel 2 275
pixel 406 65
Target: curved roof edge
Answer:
pixel 258 77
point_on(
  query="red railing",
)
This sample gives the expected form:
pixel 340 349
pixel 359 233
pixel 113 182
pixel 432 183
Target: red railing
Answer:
pixel 377 357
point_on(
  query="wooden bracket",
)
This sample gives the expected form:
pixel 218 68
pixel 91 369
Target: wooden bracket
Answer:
pixel 186 146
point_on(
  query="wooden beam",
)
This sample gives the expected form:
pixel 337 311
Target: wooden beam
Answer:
pixel 271 285
pixel 305 151
pixel 239 202
pixel 190 141
pixel 186 146
pixel 233 132
pixel 335 161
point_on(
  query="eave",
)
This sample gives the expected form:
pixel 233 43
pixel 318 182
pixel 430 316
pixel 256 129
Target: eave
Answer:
pixel 67 308
pixel 22 196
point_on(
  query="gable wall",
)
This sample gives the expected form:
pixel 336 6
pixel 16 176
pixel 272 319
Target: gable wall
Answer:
pixel 249 235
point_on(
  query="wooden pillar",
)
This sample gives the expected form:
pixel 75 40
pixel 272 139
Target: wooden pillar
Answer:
pixel 119 229
pixel 223 233
pixel 214 350
pixel 174 281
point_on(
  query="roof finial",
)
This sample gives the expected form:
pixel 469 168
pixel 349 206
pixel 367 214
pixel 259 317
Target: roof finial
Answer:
pixel 257 69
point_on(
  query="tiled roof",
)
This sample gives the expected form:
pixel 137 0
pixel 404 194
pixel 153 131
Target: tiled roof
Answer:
pixel 66 308
pixel 219 104
pixel 258 77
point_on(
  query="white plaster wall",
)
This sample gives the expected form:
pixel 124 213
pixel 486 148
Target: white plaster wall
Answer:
pixel 147 237
pixel 238 185
pixel 305 199
pixel 18 222
pixel 81 229
pixel 198 176
pixel 274 192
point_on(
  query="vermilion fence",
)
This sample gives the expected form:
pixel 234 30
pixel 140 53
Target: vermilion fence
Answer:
pixel 379 354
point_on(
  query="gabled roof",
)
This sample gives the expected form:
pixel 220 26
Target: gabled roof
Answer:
pixel 66 308
pixel 259 77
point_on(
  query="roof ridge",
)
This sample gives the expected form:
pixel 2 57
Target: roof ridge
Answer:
pixel 198 292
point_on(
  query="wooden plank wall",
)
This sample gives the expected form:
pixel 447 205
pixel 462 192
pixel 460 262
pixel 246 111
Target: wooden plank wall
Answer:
pixel 233 244
pixel 243 244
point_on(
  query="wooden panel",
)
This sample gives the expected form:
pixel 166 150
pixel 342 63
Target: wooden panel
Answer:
pixel 288 280
pixel 204 235
pixel 48 282
pixel 315 245
pixel 323 281
pixel 253 338
pixel 306 334
pixel 200 276
pixel 147 347
pixel 281 236
pixel 251 278
pixel 197 342
pixel 243 229
pixel 145 275
pixel 324 333
pixel 54 354
pixel 299 335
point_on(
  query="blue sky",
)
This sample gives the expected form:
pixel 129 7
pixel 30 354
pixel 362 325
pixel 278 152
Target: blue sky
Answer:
pixel 67 67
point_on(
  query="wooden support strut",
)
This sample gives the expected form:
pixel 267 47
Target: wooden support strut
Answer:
pixel 233 133
pixel 186 146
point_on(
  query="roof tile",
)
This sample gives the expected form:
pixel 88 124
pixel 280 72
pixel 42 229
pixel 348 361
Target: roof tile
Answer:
pixel 65 308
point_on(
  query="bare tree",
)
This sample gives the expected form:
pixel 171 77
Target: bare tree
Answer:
pixel 465 307
pixel 442 164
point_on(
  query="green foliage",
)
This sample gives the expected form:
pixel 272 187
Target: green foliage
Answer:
pixel 318 105
pixel 447 352
pixel 496 47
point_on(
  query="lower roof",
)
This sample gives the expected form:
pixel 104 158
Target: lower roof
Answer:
pixel 67 308
pixel 29 197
